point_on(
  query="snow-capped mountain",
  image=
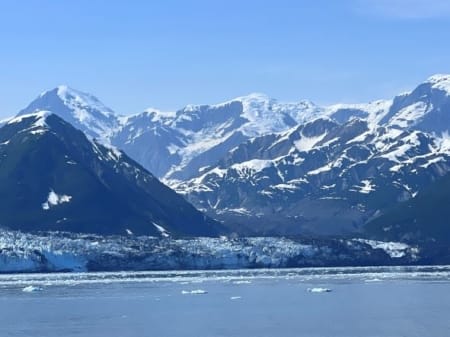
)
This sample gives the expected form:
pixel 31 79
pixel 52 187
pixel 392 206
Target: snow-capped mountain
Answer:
pixel 270 167
pixel 52 177
pixel 82 110
pixel 426 108
pixel 332 174
pixel 183 144
pixel 176 146
pixel 320 177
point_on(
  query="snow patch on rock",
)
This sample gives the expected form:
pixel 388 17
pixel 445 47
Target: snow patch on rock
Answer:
pixel 55 199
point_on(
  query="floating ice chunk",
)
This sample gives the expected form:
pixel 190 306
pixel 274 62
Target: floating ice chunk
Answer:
pixel 194 292
pixel 233 298
pixel 319 290
pixel 372 280
pixel 242 282
pixel 30 289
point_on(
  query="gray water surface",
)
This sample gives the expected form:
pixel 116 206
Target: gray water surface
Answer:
pixel 381 302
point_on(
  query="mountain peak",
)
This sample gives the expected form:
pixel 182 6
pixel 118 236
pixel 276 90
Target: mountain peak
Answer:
pixel 81 109
pixel 78 98
pixel 254 96
pixel 59 90
pixel 438 78
pixel 64 91
pixel 440 81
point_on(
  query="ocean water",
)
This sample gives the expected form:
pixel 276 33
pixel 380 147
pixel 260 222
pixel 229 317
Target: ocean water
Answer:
pixel 335 302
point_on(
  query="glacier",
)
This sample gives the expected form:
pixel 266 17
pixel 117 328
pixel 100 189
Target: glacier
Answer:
pixel 62 251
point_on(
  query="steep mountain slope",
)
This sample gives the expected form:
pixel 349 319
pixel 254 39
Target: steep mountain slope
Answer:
pixel 426 108
pixel 54 178
pixel 425 218
pixel 320 177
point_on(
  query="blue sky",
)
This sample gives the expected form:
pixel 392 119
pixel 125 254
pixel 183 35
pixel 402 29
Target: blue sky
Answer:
pixel 135 54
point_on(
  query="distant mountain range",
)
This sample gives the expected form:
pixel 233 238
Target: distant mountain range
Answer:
pixel 265 167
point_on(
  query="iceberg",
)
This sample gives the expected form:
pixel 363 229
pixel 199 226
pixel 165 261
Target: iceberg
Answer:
pixel 319 290
pixel 30 289
pixel 194 292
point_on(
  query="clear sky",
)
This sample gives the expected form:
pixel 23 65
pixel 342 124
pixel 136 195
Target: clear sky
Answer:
pixel 136 54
